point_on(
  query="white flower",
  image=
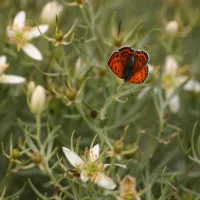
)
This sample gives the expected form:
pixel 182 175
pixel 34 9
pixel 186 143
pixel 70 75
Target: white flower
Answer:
pixel 172 28
pixel 49 12
pixel 8 79
pixel 38 100
pixel 172 80
pixel 90 168
pixel 20 35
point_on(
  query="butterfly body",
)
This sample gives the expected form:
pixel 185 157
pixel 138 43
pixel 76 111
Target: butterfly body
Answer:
pixel 129 69
pixel 130 65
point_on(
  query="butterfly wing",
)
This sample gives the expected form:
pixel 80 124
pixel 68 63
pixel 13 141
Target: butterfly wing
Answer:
pixel 127 50
pixel 141 59
pixel 140 76
pixel 118 60
pixel 116 65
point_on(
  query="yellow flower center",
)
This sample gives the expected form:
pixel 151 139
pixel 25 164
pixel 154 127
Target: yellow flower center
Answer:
pixel 91 168
pixel 169 81
pixel 19 36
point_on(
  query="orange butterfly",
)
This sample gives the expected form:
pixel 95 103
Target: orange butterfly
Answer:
pixel 130 65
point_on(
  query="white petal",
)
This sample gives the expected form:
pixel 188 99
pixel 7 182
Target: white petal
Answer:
pixel 19 20
pixel 50 10
pixel 12 79
pixel 181 79
pixel 32 51
pixel 84 178
pixel 192 85
pixel 3 60
pixel 72 157
pixel 94 153
pixel 171 65
pixel 34 32
pixel 151 68
pixel 174 104
pixel 104 181
pixel 118 165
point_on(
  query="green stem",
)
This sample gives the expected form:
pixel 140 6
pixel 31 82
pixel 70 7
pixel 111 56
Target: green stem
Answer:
pixel 5 178
pixel 38 130
pixel 92 30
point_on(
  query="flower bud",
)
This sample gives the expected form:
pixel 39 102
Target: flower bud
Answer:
pixel 80 69
pixel 71 94
pixel 38 100
pixel 31 87
pixel 117 41
pixel 172 28
pixel 36 157
pixel 59 35
pixel 118 146
pixel 49 12
pixel 15 153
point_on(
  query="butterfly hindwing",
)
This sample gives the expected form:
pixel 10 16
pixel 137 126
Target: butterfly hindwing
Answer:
pixel 141 59
pixel 139 76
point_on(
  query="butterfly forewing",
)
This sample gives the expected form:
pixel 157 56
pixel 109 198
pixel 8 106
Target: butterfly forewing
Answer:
pixel 127 50
pixel 118 60
pixel 116 65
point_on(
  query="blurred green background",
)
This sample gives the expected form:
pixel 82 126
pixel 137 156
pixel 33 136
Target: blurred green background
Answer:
pixel 102 27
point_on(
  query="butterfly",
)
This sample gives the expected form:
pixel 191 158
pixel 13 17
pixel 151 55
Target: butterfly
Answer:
pixel 130 65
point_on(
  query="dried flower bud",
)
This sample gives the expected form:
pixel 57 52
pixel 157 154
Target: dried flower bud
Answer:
pixel 128 188
pixel 38 100
pixel 172 28
pixel 80 2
